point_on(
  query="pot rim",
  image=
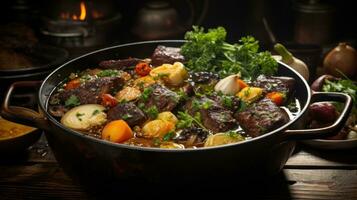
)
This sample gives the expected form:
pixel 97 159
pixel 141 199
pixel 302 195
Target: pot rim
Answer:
pixel 44 104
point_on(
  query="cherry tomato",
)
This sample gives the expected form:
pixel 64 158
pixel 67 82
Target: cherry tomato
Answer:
pixel 277 97
pixel 142 69
pixel 74 83
pixel 108 100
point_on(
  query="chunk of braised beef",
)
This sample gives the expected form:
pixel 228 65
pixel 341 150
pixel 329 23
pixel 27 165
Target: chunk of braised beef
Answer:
pixel 213 116
pixel 261 117
pixel 120 64
pixel 166 55
pixel 192 136
pixel 203 82
pixel 227 101
pixel 282 84
pixel 90 92
pixel 57 110
pixel 128 112
pixel 203 77
pixel 161 97
pixel 187 89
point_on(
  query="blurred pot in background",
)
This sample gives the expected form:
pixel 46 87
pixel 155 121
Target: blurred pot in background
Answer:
pixel 163 19
pixel 314 22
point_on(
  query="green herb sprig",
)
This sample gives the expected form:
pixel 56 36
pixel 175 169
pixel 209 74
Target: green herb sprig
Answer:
pixel 186 120
pixel 209 51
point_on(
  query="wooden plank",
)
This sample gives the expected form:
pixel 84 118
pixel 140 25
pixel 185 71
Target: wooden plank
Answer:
pixel 307 158
pixel 322 184
pixel 47 181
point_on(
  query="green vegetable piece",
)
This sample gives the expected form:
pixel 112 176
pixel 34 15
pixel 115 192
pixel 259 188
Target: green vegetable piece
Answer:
pixel 227 101
pixel 208 51
pixel 146 94
pixel 95 112
pixel 286 56
pixel 152 112
pixel 79 115
pixel 126 116
pixel 72 101
pixel 186 120
pixel 168 136
pixel 108 73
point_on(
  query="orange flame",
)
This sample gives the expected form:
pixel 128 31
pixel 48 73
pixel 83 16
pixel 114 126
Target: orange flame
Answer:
pixel 83 11
pixel 75 17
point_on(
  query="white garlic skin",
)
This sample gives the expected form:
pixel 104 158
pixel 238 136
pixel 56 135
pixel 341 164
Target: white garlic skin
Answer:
pixel 228 85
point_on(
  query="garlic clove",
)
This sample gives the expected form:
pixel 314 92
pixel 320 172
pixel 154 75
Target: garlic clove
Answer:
pixel 228 85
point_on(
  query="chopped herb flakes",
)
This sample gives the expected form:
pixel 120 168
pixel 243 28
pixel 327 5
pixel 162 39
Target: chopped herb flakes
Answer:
pixel 79 115
pixel 126 116
pixel 168 136
pixel 206 105
pixel 108 73
pixel 146 94
pixel 227 101
pixel 186 120
pixel 72 101
pixel 161 75
pixel 233 134
pixel 95 112
pixel 152 112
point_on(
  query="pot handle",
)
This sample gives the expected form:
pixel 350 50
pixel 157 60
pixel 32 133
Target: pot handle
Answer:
pixel 325 131
pixel 20 114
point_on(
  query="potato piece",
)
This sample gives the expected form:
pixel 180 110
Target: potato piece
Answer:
pixel 223 138
pixel 157 128
pixel 128 94
pixel 145 81
pixel 168 116
pixel 171 74
pixel 84 117
pixel 250 94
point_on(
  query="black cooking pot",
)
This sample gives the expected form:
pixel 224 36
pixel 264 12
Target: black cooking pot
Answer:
pixel 94 160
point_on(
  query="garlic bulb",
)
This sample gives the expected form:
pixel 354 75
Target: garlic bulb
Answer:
pixel 228 85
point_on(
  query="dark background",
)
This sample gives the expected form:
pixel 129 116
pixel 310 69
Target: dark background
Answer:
pixel 309 28
pixel 240 17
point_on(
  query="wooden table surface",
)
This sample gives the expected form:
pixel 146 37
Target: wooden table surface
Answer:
pixel 309 174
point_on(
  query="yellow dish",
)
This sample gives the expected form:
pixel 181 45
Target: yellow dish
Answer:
pixel 16 137
pixel 10 129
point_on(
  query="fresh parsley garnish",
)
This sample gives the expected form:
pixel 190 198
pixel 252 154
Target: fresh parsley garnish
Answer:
pixel 126 116
pixel 168 136
pixel 141 106
pixel 227 101
pixel 161 75
pixel 95 112
pixel 234 135
pixel 209 51
pixel 346 86
pixel 186 120
pixel 242 106
pixel 72 101
pixel 108 73
pixel 206 105
pixel 79 115
pixel 146 94
pixel 152 112
pixel 182 94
